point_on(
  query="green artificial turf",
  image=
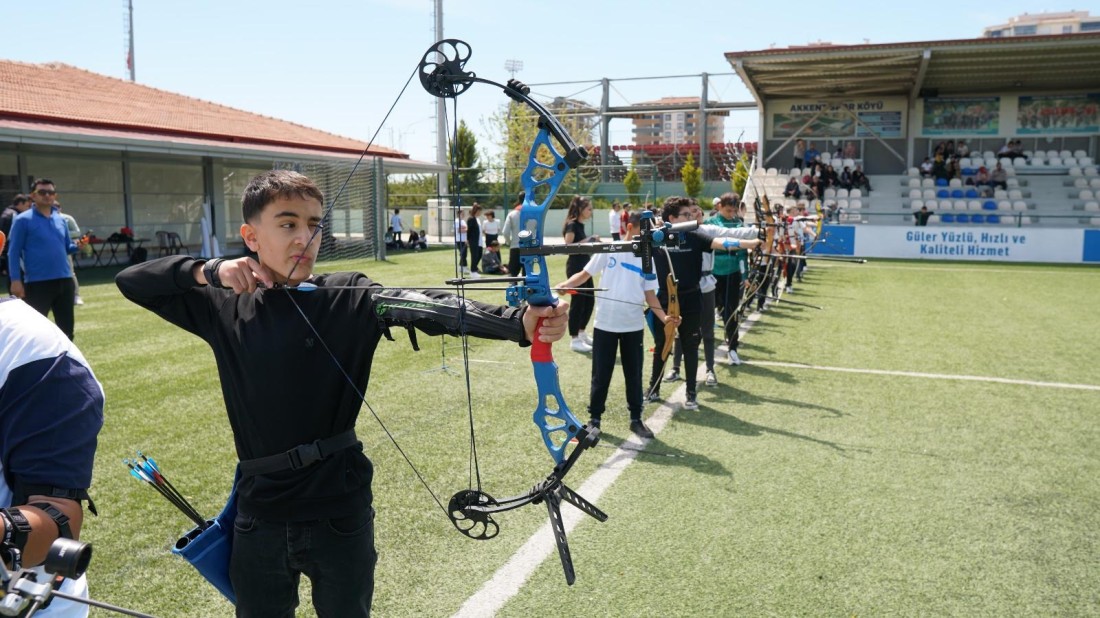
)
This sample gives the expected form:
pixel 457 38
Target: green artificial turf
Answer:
pixel 792 491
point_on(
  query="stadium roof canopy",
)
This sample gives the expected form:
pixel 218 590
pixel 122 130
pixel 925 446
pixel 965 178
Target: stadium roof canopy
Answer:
pixel 1064 62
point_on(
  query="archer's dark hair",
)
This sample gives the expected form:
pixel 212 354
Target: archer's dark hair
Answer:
pixel 40 181
pixel 729 198
pixel 521 197
pixel 576 207
pixel 273 185
pixel 672 206
pixel 19 199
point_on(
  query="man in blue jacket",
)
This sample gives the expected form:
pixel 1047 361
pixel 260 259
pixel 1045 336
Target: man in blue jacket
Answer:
pixel 38 258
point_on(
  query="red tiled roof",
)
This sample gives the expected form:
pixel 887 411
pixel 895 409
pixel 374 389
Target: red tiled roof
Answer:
pixel 62 94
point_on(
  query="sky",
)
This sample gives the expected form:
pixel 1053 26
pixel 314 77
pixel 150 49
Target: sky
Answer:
pixel 338 65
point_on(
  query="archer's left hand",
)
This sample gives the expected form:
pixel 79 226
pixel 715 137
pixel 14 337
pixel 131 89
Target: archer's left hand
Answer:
pixel 553 327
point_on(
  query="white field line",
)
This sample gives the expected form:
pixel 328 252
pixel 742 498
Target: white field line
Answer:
pixel 509 579
pixel 933 376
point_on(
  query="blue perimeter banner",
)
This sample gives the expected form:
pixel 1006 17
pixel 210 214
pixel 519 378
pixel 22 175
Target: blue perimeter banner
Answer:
pixel 1091 252
pixel 992 243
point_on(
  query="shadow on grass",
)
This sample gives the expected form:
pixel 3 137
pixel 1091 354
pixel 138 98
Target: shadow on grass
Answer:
pixel 661 453
pixel 708 417
pixel 735 395
pixel 760 371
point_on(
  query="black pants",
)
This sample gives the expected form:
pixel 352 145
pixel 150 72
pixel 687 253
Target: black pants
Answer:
pixel 57 295
pixel 689 337
pixel 475 256
pixel 581 305
pixel 706 331
pixel 629 346
pixel 489 238
pixel 514 263
pixel 269 559
pixel 728 297
pixel 462 254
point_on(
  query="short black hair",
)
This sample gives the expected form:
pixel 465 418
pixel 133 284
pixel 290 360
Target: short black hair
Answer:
pixel 41 181
pixel 275 184
pixel 19 199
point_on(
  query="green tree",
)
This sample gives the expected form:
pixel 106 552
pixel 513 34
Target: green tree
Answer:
pixel 633 184
pixel 692 177
pixel 411 190
pixel 740 176
pixel 464 150
pixel 515 126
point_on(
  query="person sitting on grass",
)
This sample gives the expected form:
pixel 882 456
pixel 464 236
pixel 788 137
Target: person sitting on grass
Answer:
pixel 292 367
pixel 490 262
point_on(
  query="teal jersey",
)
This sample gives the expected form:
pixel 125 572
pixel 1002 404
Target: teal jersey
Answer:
pixel 728 262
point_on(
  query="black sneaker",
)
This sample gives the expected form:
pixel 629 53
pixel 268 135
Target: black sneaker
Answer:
pixel 691 403
pixel 594 422
pixel 652 398
pixel 639 429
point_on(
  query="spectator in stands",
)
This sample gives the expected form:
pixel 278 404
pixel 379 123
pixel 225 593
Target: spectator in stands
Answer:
pixel 949 149
pixel 1005 149
pixel 832 179
pixel 846 178
pixel 838 154
pixel 811 155
pixel 939 167
pixel 922 216
pixel 999 178
pixel 860 180
pixel 926 168
pixel 792 189
pixel 980 178
pixel 962 150
pixel 799 153
pixel 953 170
pixel 850 151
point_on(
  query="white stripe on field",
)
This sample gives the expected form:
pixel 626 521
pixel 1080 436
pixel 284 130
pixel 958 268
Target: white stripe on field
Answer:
pixel 934 376
pixel 509 579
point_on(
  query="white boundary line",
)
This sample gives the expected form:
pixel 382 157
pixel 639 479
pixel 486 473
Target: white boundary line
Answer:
pixel 509 578
pixel 935 376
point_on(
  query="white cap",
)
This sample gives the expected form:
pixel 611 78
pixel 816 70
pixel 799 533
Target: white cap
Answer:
pixel 716 200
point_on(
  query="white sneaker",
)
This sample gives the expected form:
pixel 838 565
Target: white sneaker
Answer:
pixel 78 301
pixel 734 358
pixel 584 336
pixel 711 380
pixel 474 275
pixel 578 345
pixel 691 404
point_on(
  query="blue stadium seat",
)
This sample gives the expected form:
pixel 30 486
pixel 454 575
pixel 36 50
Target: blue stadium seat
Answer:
pixel 961 218
pixel 969 171
pixel 971 194
pixel 957 194
pixel 989 205
pixel 977 218
pixel 993 218
pixel 943 193
pixel 947 218
pixel 941 182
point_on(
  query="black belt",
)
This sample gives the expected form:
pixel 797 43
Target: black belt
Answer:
pixel 301 456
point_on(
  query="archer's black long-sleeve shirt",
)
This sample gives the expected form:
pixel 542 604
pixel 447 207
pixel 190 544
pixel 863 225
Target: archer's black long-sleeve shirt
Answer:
pixel 281 388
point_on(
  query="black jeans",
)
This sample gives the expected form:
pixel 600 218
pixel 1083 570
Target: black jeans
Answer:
pixel 475 256
pixel 514 263
pixel 337 555
pixel 462 254
pixel 728 297
pixel 581 306
pixel 706 331
pixel 603 367
pixel 57 295
pixel 689 336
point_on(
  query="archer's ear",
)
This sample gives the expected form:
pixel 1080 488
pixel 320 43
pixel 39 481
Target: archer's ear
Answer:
pixel 248 234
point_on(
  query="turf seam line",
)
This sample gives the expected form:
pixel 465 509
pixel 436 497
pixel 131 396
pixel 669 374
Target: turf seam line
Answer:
pixel 936 376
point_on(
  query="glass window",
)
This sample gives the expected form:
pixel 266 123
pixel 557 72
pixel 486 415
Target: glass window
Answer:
pixel 168 197
pixel 235 177
pixel 89 189
pixel 1090 26
pixel 1026 30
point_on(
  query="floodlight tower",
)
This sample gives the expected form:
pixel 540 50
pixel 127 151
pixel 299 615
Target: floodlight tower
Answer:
pixel 513 67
